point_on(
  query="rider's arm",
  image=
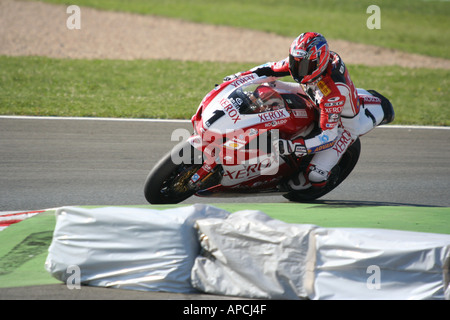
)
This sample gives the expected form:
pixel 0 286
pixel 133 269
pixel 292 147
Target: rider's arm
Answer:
pixel 270 69
pixel 273 69
pixel 322 141
pixel 330 106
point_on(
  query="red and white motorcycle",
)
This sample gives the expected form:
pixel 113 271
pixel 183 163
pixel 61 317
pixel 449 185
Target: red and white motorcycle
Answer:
pixel 234 148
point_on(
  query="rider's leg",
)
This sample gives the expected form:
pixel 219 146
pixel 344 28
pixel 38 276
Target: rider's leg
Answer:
pixel 318 171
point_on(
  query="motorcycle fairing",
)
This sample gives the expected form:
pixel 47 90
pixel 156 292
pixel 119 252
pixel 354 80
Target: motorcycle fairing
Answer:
pixel 243 143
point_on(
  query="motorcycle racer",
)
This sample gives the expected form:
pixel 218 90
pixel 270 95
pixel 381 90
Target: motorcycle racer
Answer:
pixel 322 75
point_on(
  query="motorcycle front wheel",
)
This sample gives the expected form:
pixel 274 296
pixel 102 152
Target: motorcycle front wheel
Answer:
pixel 168 182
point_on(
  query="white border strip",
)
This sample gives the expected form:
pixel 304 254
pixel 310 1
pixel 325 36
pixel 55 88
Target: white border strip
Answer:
pixel 388 126
pixel 182 121
pixel 92 119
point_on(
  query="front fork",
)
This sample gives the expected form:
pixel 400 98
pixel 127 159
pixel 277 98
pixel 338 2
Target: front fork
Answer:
pixel 200 179
pixel 210 166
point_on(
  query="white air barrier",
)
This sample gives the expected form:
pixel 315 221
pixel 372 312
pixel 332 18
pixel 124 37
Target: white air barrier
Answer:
pixel 127 248
pixel 247 254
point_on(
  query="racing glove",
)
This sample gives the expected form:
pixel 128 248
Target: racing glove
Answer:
pixel 232 76
pixel 297 147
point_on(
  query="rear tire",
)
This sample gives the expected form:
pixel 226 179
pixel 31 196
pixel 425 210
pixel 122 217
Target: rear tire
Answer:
pixel 167 182
pixel 338 174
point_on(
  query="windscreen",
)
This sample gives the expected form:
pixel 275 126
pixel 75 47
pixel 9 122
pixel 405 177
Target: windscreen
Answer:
pixel 256 98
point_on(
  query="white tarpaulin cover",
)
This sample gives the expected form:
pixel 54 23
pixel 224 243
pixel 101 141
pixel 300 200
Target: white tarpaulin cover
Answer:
pixel 245 254
pixel 252 255
pixel 380 264
pixel 128 248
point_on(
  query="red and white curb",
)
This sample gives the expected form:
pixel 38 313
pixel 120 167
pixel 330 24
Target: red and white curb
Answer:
pixel 8 218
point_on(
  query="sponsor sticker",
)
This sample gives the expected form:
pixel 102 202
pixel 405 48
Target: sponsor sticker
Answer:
pixel 371 100
pixel 322 147
pixel 233 144
pixel 342 144
pixel 195 177
pixel 329 110
pixel 240 81
pixel 275 123
pixel 323 88
pixel 332 117
pixel 273 115
pixel 300 113
pixel 230 110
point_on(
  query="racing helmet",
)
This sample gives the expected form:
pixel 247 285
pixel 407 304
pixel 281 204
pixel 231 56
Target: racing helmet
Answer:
pixel 308 57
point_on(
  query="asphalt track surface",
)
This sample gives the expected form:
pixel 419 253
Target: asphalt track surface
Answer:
pixel 48 163
pixel 53 163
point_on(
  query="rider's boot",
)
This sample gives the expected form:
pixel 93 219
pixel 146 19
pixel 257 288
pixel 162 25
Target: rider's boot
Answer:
pixel 298 182
pixel 314 178
pixel 388 109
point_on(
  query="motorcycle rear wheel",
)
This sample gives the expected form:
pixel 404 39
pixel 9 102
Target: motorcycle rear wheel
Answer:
pixel 338 174
pixel 167 182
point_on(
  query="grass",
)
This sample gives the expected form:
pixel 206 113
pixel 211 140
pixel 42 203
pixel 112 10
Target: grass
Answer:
pixel 416 26
pixel 104 88
pixel 173 89
pixel 419 96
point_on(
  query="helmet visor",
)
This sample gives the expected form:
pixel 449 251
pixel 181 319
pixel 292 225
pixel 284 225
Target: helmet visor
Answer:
pixel 301 67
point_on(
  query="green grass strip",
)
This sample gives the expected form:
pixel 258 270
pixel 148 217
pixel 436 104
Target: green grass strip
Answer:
pixel 173 89
pixel 23 251
pixel 420 219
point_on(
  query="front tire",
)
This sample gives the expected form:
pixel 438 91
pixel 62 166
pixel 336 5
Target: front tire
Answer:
pixel 168 182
